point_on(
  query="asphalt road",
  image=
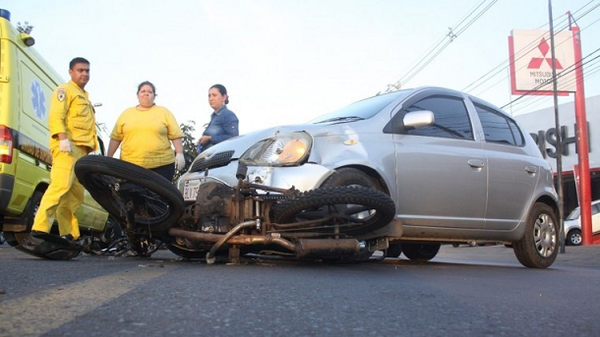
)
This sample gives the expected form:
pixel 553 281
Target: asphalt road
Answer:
pixel 463 291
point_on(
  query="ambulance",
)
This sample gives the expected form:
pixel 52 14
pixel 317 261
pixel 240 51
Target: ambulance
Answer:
pixel 26 85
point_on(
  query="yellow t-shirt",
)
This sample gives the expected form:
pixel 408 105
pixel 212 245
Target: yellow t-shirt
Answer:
pixel 145 136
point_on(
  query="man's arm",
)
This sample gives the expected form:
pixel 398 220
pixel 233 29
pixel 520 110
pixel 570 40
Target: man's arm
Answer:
pixel 57 114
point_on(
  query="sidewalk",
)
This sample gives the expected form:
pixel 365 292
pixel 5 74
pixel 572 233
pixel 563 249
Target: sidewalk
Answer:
pixel 574 256
pixel 580 256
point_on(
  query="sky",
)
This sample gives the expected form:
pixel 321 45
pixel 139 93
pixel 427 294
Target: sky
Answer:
pixel 288 61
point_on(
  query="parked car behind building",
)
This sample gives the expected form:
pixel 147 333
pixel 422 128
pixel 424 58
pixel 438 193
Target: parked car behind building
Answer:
pixel 572 224
pixel 458 169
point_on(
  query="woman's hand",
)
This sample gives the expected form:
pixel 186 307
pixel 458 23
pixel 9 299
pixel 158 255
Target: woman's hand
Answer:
pixel 179 161
pixel 205 140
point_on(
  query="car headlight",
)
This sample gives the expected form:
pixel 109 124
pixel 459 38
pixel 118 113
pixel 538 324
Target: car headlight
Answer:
pixel 282 150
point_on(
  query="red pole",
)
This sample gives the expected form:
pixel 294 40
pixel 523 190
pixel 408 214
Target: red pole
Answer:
pixel 585 205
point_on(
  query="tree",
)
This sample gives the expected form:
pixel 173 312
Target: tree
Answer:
pixel 190 151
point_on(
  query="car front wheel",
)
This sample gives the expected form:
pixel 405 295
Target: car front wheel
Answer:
pixel 538 246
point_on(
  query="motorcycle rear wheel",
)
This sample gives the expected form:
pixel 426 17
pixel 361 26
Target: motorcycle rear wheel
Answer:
pixel 113 183
pixel 351 210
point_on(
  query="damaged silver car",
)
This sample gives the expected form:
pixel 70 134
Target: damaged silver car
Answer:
pixel 457 168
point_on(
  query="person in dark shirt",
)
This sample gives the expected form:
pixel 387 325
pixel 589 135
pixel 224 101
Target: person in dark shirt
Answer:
pixel 223 122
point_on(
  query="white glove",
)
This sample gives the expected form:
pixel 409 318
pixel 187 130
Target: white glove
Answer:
pixel 65 145
pixel 179 161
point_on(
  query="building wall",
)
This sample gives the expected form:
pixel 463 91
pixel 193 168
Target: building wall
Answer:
pixel 540 124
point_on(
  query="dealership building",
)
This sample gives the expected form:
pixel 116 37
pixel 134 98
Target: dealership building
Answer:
pixel 541 125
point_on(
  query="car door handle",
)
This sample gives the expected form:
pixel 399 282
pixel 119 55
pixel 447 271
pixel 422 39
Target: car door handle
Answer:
pixel 531 169
pixel 476 163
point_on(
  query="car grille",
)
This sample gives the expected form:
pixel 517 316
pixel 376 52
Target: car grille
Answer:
pixel 216 160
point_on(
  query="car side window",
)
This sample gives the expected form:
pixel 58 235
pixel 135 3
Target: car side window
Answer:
pixel 451 118
pixel 498 128
pixel 595 209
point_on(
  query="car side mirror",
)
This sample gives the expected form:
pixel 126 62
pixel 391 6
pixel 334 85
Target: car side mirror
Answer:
pixel 418 119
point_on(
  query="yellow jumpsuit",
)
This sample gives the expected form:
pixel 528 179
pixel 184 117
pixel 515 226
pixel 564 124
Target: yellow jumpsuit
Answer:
pixel 71 112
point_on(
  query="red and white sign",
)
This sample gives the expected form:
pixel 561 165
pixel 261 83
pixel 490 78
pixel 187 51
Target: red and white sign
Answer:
pixel 531 62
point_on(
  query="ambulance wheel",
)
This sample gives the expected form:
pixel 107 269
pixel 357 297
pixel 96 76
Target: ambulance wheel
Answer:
pixel 12 238
pixel 15 238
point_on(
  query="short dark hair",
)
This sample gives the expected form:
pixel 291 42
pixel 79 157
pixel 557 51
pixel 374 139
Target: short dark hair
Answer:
pixel 222 90
pixel 146 83
pixel 78 60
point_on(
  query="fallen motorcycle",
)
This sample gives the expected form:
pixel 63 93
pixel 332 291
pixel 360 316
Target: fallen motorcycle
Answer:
pixel 227 222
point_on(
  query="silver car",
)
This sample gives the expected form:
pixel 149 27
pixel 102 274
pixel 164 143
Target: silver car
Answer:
pixel 458 169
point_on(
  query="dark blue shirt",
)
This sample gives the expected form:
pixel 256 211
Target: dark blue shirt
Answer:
pixel 223 125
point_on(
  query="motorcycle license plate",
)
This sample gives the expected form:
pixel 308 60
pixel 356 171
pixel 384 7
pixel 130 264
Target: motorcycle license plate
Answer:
pixel 190 190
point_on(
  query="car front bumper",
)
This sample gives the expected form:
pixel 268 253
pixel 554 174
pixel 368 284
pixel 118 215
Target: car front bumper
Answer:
pixel 305 177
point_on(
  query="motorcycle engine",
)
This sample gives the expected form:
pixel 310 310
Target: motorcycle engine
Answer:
pixel 212 211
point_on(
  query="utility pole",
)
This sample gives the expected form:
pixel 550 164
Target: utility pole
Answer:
pixel 559 144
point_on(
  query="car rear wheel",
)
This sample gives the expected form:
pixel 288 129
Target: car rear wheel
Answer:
pixel 574 237
pixel 538 246
pixel 420 251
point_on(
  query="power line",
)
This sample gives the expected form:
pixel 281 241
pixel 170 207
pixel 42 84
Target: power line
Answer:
pixel 441 45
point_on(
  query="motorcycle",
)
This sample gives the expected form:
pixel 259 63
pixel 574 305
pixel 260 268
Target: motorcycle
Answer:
pixel 225 222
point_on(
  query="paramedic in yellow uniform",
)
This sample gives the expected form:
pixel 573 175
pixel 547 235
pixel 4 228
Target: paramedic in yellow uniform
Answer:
pixel 145 133
pixel 72 127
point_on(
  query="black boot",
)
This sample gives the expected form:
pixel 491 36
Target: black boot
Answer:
pixel 49 246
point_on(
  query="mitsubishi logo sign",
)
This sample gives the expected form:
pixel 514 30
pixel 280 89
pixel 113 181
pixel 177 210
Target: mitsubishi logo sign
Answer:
pixel 531 62
pixel 536 62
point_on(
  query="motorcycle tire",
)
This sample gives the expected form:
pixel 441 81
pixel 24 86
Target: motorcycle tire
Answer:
pixel 113 183
pixel 351 210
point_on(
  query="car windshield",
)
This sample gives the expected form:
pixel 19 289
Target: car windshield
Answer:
pixel 574 214
pixel 360 110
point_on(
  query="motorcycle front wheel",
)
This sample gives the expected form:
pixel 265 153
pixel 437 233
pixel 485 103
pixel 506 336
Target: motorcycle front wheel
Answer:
pixel 121 187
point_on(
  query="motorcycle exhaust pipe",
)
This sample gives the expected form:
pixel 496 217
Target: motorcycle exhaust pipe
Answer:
pixel 231 238
pixel 327 248
pixel 304 248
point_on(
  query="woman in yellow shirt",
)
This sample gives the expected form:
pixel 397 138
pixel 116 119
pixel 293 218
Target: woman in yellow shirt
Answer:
pixel 145 133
